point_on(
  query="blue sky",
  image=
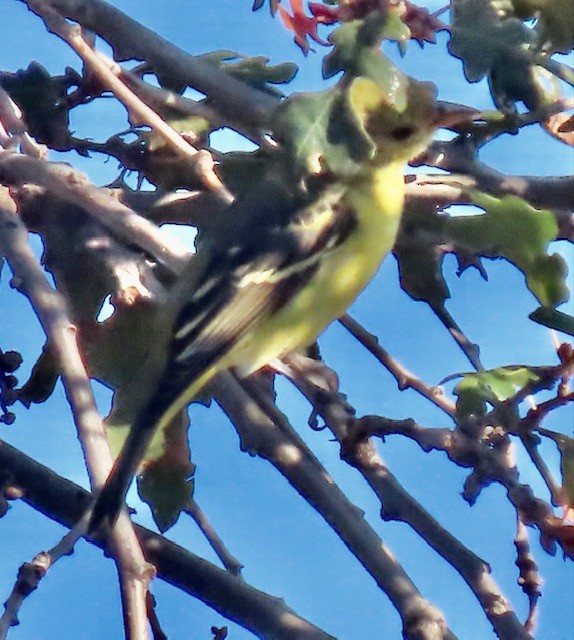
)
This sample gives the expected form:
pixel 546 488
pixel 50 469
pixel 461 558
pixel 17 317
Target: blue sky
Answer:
pixel 283 543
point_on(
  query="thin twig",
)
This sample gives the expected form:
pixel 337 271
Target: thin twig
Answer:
pixel 482 133
pixel 228 560
pixel 405 379
pixel 154 623
pixel 537 460
pixel 470 349
pixel 29 576
pixel 529 579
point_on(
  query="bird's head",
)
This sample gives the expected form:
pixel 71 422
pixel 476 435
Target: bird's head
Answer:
pixel 401 128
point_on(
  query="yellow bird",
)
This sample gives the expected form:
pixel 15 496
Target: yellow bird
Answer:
pixel 260 292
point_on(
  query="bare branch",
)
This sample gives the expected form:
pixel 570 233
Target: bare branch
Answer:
pixel 488 450
pixel 29 576
pixel 397 504
pixel 529 578
pixel 405 379
pixel 552 192
pixel 229 561
pixel 470 349
pixel 264 615
pixel 266 432
pixel 556 193
pixel 135 573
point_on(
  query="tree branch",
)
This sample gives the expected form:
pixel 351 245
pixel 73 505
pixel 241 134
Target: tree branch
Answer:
pixel 358 450
pixel 228 560
pixel 405 379
pixel 72 186
pixel 264 431
pixel 65 502
pixel 131 40
pixel 134 572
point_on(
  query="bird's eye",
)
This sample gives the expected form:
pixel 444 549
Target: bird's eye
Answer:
pixel 402 133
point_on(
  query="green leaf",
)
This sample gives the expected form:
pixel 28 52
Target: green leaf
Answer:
pixel 475 390
pixel 481 37
pixel 167 491
pixel 42 381
pixel 515 79
pixel 554 319
pixel 566 448
pixel 241 171
pixel 395 29
pixel 319 131
pixel 164 480
pixel 510 229
pixel 352 48
pixel 491 42
pixel 554 22
pixel 128 353
pixel 42 99
pixel 166 483
pixel 254 70
pixel 419 258
pixel 513 229
pixel 273 4
pixel 356 53
pixel 257 71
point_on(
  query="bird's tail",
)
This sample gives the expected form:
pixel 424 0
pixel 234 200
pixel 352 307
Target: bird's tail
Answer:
pixel 166 403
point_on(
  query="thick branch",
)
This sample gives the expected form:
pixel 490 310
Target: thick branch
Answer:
pixel 50 307
pixel 443 190
pixel 264 615
pixel 551 192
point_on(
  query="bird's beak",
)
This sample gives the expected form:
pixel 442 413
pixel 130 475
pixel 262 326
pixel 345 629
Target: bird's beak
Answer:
pixel 449 114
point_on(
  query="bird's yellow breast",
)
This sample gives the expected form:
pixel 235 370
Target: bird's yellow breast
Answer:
pixel 377 199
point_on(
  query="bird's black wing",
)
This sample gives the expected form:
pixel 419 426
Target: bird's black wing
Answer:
pixel 241 283
pixel 249 281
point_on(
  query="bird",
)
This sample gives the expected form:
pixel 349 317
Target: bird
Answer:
pixel 260 290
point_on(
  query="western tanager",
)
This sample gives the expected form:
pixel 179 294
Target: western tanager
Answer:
pixel 268 288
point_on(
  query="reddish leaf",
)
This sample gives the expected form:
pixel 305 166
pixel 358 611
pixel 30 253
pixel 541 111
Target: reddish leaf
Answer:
pixel 422 24
pixel 302 25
